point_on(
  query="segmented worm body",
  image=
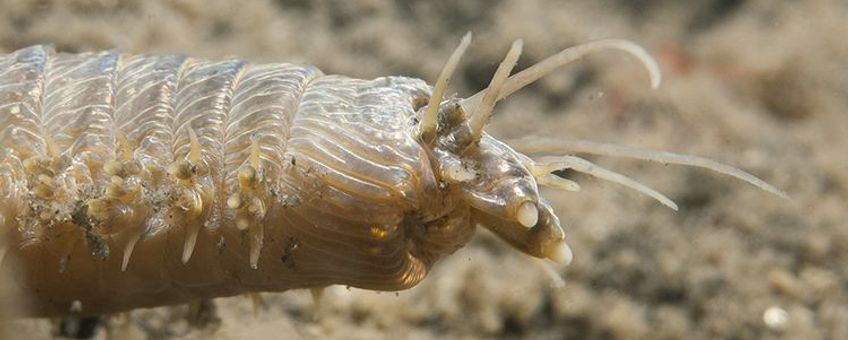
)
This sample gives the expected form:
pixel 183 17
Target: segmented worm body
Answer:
pixel 136 181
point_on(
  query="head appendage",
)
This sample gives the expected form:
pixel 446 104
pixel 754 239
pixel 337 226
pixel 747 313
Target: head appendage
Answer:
pixel 427 126
pixel 519 215
pixel 531 145
pixel 554 181
pixel 566 56
pixel 482 100
pixel 546 165
pixel 483 111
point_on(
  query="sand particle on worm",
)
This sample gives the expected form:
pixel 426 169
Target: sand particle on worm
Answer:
pixel 133 181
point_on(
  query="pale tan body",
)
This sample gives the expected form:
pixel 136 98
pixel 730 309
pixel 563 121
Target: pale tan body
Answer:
pixel 140 181
pixel 340 194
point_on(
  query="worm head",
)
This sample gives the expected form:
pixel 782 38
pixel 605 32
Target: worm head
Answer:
pixel 499 184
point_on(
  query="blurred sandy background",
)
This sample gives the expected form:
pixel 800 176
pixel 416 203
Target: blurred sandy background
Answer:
pixel 761 84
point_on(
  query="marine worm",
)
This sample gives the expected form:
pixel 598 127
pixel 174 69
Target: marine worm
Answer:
pixel 130 181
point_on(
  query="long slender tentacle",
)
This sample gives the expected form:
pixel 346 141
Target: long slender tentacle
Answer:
pixel 565 57
pixel 546 165
pixel 483 111
pixel 542 144
pixel 427 126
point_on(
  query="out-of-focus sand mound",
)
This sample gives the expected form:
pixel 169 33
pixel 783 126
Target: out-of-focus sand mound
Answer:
pixel 760 84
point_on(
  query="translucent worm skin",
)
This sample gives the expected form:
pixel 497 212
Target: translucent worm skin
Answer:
pixel 139 181
pixel 132 181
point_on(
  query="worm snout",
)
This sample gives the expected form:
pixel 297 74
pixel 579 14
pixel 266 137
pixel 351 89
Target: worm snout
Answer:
pixel 496 183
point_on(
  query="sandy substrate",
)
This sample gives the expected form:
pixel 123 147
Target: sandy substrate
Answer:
pixel 760 84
